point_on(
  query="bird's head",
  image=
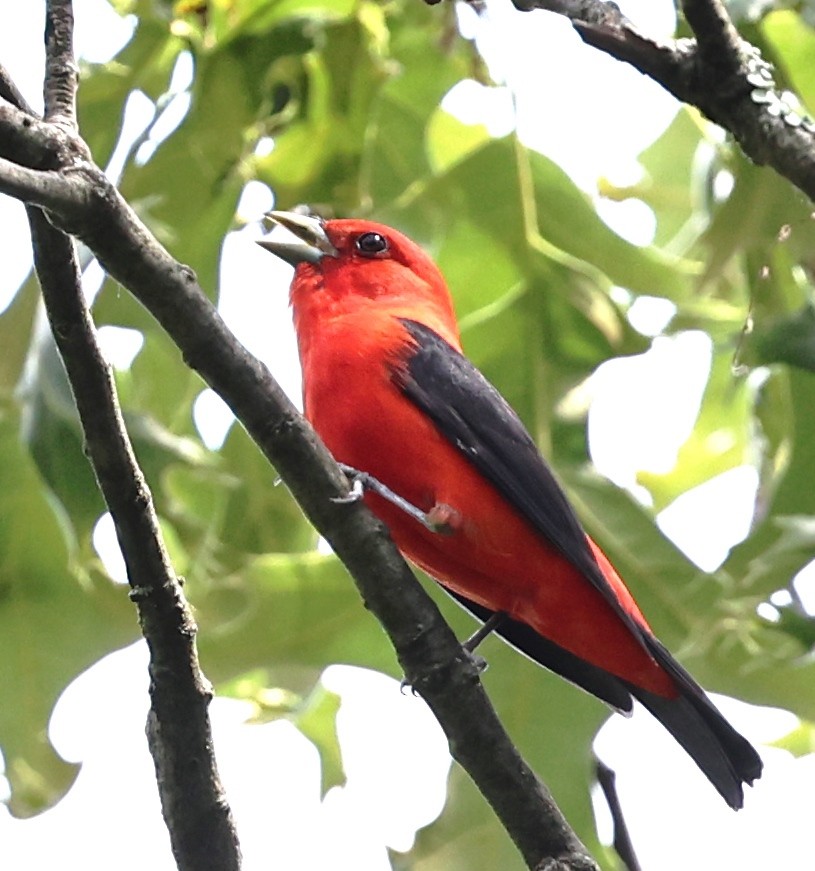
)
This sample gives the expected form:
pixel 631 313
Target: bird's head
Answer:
pixel 348 266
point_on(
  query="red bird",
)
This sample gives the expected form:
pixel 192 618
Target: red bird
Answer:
pixel 389 391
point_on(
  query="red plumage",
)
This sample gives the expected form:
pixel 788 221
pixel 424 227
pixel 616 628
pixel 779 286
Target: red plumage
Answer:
pixel 387 388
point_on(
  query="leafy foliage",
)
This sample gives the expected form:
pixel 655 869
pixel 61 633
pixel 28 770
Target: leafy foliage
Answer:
pixel 350 94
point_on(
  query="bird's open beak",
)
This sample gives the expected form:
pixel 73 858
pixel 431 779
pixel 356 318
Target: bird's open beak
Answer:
pixel 311 245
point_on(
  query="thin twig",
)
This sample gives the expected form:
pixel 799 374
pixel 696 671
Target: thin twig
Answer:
pixel 61 73
pixel 720 46
pixel 607 779
pixel 12 94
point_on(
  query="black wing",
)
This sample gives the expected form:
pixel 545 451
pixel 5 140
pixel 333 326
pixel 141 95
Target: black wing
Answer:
pixel 474 417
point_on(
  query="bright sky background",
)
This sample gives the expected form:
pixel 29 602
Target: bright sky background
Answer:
pixel 394 753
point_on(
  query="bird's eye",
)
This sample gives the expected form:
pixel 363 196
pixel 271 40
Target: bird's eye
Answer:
pixel 372 244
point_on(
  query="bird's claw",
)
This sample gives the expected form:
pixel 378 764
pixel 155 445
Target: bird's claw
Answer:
pixel 406 686
pixel 356 492
pixel 479 663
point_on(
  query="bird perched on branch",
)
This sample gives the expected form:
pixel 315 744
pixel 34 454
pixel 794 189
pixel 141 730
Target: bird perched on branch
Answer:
pixel 451 470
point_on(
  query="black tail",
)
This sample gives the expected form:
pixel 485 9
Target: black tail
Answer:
pixel 726 758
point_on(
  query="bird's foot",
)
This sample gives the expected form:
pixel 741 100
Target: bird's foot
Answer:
pixel 406 686
pixel 479 663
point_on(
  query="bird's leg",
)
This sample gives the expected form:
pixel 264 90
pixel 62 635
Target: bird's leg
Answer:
pixel 440 519
pixel 469 646
pixel 487 628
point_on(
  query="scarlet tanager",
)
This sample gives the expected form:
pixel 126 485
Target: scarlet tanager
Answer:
pixel 387 388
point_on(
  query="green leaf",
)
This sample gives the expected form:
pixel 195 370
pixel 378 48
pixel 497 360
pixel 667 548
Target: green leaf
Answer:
pixel 144 64
pixel 193 180
pixel 397 155
pixel 721 439
pixel 793 41
pixel 258 17
pixel 795 494
pixel 576 229
pixel 800 742
pixel 786 339
pixel 318 154
pixel 160 385
pixel 781 543
pixel 762 216
pixel 450 140
pixel 708 620
pixel 226 512
pixel 482 274
pixel 670 186
pixel 796 624
pixel 315 715
pixel 290 614
pixel 673 594
pixel 316 718
pixel 50 429
pixel 771 557
pixel 16 330
pixel 54 623
pixel 262 516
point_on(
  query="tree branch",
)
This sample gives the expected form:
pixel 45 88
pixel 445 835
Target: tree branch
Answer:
pixel 718 72
pixel 12 94
pixel 36 187
pixel 24 138
pixel 718 41
pixel 61 73
pixel 198 817
pixel 199 820
pixel 81 200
